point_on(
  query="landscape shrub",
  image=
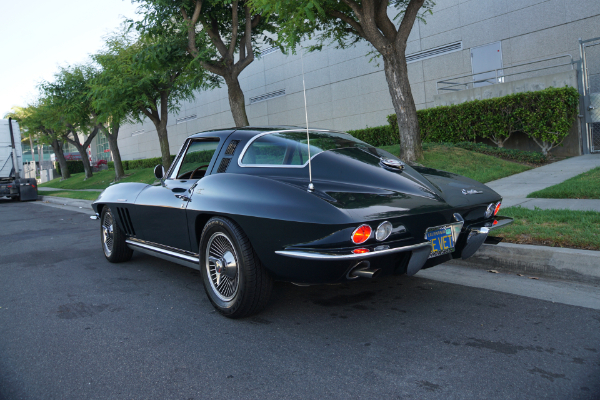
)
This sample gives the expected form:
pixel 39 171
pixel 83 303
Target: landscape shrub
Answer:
pixel 73 166
pixel 545 116
pixel 377 136
pixel 139 164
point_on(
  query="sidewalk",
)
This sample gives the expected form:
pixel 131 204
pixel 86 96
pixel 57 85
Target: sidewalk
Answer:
pixel 514 189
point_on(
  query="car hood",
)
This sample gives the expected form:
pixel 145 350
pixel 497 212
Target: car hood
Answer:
pixel 354 179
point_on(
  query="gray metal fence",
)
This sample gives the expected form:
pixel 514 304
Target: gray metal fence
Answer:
pixel 590 57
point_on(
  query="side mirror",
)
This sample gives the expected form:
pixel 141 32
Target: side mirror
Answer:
pixel 159 171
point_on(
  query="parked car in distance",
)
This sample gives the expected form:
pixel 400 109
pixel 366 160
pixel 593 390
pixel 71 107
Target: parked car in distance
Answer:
pixel 240 206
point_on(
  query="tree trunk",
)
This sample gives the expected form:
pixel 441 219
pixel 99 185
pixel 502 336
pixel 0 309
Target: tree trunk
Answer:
pixel 236 101
pixel 81 149
pixel 396 73
pixel 64 169
pixel 163 140
pixel 84 159
pixel 116 155
pixel 114 149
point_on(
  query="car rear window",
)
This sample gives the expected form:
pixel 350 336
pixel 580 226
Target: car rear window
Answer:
pixel 289 148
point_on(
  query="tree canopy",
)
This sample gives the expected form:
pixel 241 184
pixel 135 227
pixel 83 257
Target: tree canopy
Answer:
pixel 385 24
pixel 216 32
pixel 148 76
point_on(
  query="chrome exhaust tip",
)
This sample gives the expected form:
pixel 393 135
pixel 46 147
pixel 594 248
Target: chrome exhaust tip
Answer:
pixel 363 270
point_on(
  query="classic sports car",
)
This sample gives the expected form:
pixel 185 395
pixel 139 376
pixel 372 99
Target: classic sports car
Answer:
pixel 245 206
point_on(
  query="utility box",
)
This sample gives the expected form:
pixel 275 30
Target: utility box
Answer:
pixel 13 183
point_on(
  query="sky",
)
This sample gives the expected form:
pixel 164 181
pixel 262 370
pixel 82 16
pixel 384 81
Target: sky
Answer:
pixel 38 37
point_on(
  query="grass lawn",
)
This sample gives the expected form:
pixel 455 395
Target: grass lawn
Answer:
pixel 71 194
pixel 477 166
pixel 556 228
pixel 481 167
pixel 584 186
pixel 102 179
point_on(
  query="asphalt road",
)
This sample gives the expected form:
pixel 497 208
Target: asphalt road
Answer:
pixel 73 326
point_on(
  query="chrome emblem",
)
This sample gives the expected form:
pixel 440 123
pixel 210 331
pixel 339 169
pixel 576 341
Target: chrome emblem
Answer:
pixel 471 191
pixel 390 162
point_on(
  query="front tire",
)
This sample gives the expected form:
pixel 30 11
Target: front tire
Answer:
pixel 235 282
pixel 113 238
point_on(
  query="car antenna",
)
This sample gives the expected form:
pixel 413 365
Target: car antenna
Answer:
pixel 311 187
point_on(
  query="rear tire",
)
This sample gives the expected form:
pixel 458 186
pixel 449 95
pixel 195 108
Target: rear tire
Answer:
pixel 235 282
pixel 113 239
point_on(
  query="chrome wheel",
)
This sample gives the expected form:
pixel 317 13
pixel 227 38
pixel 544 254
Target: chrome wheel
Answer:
pixel 222 266
pixel 108 233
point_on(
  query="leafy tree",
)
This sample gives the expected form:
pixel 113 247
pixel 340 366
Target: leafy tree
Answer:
pixel 45 122
pixel 346 22
pixel 215 30
pixel 69 93
pixel 110 110
pixel 147 77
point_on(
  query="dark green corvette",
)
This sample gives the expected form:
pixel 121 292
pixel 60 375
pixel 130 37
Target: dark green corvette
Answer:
pixel 239 205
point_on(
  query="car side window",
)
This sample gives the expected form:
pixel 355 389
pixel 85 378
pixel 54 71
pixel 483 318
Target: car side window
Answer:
pixel 196 159
pixel 290 148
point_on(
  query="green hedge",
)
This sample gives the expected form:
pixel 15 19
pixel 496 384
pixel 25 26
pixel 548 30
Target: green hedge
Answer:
pixel 377 136
pixel 139 164
pixel 73 166
pixel 545 116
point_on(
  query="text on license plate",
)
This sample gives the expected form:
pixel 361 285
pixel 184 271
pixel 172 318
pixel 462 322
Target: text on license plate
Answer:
pixel 442 241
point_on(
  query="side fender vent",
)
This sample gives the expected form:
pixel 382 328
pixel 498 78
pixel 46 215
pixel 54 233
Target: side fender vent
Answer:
pixel 126 220
pixel 231 148
pixel 224 164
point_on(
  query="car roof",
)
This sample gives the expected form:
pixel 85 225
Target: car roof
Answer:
pixel 251 131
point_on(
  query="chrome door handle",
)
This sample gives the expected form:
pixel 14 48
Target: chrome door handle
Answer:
pixel 183 197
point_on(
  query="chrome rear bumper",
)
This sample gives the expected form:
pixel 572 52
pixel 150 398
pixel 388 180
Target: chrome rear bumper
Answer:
pixel 420 254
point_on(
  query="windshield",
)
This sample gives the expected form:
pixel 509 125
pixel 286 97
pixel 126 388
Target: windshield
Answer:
pixel 289 148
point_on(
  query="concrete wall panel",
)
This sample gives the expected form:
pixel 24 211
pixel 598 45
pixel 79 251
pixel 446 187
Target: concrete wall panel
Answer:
pixel 480 10
pixel 440 21
pixel 484 32
pixel 538 17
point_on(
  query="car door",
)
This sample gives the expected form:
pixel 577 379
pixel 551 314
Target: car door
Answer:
pixel 163 207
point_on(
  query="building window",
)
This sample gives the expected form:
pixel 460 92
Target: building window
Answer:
pixel 102 147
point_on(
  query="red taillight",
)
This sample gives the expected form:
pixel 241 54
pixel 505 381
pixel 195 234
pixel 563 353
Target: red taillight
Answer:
pixel 8 186
pixel 361 234
pixel 360 251
pixel 33 186
pixel 497 208
pixel 495 222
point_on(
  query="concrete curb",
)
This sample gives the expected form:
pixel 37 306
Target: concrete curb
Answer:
pixel 550 262
pixel 87 204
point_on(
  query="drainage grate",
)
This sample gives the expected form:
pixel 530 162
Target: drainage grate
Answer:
pixel 231 148
pixel 185 119
pixel 267 96
pixel 438 51
pixel 224 164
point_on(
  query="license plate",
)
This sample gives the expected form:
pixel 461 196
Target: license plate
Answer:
pixel 442 240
